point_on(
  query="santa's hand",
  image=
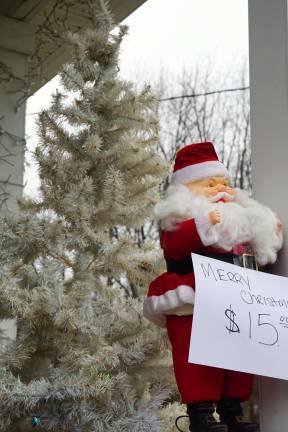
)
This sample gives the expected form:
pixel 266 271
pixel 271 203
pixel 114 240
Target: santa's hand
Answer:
pixel 214 217
pixel 280 227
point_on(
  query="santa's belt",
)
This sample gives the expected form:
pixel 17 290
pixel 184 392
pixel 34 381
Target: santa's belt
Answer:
pixel 185 265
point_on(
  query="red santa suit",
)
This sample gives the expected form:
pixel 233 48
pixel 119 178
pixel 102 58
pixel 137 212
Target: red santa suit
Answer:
pixel 172 295
pixel 186 229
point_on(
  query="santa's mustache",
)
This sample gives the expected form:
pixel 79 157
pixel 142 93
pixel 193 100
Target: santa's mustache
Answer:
pixel 221 195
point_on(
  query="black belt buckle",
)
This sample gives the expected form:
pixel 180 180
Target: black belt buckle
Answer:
pixel 246 260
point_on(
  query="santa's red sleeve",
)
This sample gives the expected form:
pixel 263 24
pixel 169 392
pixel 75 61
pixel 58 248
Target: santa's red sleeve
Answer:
pixel 171 293
pixel 182 241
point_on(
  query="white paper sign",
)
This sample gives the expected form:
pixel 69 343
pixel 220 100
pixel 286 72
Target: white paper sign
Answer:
pixel 240 319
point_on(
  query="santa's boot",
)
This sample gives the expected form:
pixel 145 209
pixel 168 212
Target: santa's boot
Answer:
pixel 202 419
pixel 230 412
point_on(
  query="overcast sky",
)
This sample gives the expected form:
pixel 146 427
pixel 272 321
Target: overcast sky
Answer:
pixel 176 33
pixel 168 34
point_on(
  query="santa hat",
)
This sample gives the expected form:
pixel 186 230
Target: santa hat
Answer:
pixel 195 162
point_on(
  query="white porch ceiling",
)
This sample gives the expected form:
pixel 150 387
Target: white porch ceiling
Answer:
pixel 48 17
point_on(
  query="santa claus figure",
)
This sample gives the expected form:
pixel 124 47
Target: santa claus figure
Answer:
pixel 202 213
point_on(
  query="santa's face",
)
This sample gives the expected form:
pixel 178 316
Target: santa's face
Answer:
pixel 213 188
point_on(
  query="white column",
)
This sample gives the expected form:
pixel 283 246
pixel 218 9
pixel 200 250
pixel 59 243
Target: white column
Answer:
pixel 268 30
pixel 16 43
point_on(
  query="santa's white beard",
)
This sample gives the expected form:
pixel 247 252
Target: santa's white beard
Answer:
pixel 242 220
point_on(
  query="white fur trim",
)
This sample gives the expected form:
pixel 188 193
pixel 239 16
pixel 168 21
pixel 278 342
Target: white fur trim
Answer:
pixel 155 307
pixel 199 171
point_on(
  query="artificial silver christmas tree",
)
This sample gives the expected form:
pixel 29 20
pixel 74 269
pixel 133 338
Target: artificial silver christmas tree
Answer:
pixel 79 362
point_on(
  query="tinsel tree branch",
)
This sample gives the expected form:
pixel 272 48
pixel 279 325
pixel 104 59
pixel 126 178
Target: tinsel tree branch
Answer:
pixel 82 345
